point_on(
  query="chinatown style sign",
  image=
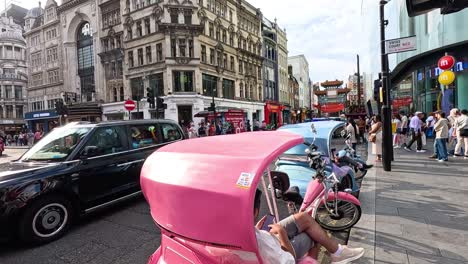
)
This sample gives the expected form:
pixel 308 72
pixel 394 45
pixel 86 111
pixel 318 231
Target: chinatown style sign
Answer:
pixel 446 63
pixel 402 101
pixel 400 45
pixel 129 105
pixel 332 107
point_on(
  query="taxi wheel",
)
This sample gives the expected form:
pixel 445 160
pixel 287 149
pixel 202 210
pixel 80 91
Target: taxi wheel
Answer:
pixel 45 220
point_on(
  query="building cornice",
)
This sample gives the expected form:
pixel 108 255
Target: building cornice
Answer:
pixel 70 4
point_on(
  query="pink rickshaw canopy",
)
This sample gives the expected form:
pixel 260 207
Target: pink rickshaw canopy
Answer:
pixel 203 189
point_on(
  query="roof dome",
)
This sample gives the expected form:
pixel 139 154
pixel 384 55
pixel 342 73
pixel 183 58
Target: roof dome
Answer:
pixel 12 35
pixel 34 12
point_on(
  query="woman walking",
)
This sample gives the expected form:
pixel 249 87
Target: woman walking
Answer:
pixel 462 134
pixel 441 127
pixel 397 136
pixel 375 136
pixel 353 131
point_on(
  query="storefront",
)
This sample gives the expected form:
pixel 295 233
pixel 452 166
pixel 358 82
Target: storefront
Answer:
pixel 417 79
pixel 11 126
pixel 287 115
pixel 273 114
pixel 42 120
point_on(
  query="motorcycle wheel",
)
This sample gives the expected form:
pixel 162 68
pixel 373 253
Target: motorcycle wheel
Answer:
pixel 348 215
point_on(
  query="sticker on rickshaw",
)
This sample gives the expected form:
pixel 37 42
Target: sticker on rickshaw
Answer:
pixel 245 180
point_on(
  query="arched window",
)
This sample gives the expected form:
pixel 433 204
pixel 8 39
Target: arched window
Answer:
pixel 85 54
pixel 122 94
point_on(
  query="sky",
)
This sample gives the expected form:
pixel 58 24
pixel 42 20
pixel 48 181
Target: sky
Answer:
pixel 327 32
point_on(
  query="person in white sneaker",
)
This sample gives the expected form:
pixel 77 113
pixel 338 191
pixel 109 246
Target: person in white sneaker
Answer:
pixel 295 237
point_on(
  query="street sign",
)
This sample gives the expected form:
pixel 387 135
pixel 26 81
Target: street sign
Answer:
pixel 400 45
pixel 130 105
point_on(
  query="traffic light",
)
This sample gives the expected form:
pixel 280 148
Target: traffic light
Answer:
pixel 160 103
pixel 419 7
pixel 377 85
pixel 150 97
pixel 61 108
pixel 212 107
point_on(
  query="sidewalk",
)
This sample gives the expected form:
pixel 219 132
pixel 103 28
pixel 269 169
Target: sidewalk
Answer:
pixel 417 213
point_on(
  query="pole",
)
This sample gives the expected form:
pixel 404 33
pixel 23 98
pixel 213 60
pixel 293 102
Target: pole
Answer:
pixel 386 111
pixel 358 82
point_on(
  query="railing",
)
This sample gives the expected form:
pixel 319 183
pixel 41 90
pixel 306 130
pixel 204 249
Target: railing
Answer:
pixel 13 76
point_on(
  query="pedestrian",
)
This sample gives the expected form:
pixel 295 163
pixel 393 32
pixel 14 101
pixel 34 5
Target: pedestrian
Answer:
pixel 353 131
pixel 9 139
pixel 202 129
pixel 397 135
pixel 441 128
pixel 462 134
pixel 375 136
pixel 361 123
pixel 30 138
pixel 454 114
pixel 15 139
pixel 430 121
pixel 219 128
pixel 249 127
pixel 192 132
pixel 415 132
pixel 37 136
pixel 403 128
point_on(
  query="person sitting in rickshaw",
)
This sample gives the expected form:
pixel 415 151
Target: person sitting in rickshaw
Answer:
pixel 294 237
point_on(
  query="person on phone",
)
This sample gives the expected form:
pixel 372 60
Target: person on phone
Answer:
pixel 294 237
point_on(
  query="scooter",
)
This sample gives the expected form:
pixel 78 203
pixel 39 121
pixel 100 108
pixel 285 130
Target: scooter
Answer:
pixel 349 157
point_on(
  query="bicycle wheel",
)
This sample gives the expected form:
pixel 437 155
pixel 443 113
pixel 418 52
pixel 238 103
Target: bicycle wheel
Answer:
pixel 348 215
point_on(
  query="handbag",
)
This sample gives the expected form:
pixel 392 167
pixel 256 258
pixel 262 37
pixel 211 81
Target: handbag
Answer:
pixel 464 132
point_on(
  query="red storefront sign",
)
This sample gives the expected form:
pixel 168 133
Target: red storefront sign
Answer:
pixel 272 109
pixel 331 107
pixel 399 102
pixel 237 119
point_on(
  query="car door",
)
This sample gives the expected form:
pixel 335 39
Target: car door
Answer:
pixel 102 170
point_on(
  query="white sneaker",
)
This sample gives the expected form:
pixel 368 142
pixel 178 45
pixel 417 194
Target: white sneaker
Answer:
pixel 420 151
pixel 347 255
pixel 396 147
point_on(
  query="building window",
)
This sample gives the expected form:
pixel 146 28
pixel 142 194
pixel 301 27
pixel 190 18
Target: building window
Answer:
pixel 174 16
pixel 36 59
pixel 219 59
pixel 230 15
pixel 224 36
pixel 147 26
pixel 188 17
pixel 173 48
pixel 114 94
pixel 212 56
pixel 241 90
pixel 148 55
pixel 8 91
pixel 159 51
pixel 228 89
pixel 136 84
pixel 156 82
pixel 85 56
pixel 239 42
pixel 232 63
pixel 139 29
pixel 231 39
pixel 209 85
pixel 218 33
pixel 210 29
pixel 52 55
pixel 50 14
pixel 190 42
pixel 241 68
pixel 19 111
pixel 35 40
pixel 183 81
pixel 122 95
pixel 36 80
pixel 225 62
pixel 9 111
pixel 51 34
pixel 131 62
pixel 259 72
pixel 18 92
pixel 140 57
pixel 129 33
pixel 53 76
pixel 203 53
pixel 182 48
pixel 118 41
pixel 111 18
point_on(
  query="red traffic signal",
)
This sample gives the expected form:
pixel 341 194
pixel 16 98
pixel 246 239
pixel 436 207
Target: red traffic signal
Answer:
pixel 419 7
pixel 446 63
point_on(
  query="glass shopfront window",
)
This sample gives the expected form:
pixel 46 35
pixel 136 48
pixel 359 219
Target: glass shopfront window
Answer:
pixel 183 81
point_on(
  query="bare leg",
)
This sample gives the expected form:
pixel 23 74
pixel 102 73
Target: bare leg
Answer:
pixel 314 252
pixel 307 224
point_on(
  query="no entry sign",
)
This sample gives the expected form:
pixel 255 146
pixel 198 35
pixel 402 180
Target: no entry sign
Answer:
pixel 130 105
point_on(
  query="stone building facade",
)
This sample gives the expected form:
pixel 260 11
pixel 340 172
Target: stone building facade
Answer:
pixel 301 72
pixel 13 77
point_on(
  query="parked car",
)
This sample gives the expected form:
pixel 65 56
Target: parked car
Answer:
pixel 74 170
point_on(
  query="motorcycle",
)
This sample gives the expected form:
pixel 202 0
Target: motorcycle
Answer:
pixel 348 157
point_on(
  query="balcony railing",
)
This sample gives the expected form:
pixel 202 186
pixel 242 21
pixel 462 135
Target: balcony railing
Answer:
pixel 12 76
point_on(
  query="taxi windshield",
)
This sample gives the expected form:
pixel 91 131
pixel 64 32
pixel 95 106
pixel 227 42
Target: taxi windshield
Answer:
pixel 57 145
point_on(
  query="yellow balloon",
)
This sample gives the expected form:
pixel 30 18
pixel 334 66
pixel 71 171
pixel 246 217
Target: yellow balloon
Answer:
pixel 447 78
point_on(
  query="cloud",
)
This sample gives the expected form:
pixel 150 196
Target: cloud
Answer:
pixel 328 32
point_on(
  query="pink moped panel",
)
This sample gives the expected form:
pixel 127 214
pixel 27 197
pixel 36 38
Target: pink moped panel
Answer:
pixel 313 190
pixel 343 196
pixel 203 189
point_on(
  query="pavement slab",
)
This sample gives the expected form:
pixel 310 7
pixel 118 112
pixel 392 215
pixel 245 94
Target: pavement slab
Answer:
pixel 420 211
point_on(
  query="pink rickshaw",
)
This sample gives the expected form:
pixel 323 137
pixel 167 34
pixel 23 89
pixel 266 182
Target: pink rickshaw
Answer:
pixel 201 195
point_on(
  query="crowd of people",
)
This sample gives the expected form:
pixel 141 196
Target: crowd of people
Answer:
pixel 450 133
pixel 220 127
pixel 23 138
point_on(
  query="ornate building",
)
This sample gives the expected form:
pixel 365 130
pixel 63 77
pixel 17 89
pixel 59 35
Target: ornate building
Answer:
pixel 333 98
pixel 13 77
pixel 301 72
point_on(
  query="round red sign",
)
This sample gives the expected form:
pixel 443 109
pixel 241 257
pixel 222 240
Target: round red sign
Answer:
pixel 129 105
pixel 446 62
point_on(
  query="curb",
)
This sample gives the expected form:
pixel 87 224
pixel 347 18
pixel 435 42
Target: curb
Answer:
pixel 363 233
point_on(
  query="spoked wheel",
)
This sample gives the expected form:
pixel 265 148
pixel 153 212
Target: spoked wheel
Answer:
pixel 348 215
